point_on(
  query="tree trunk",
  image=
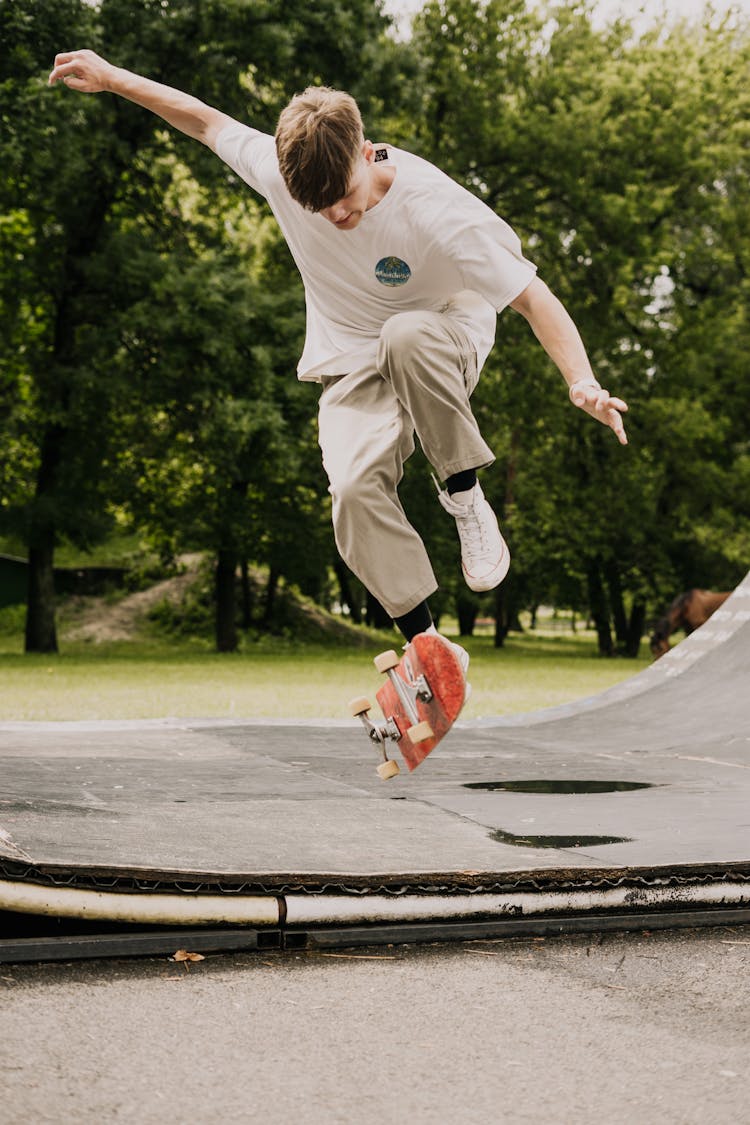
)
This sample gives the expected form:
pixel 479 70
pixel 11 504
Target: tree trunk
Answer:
pixel 81 240
pixel 507 618
pixel 598 607
pixel 376 616
pixel 467 609
pixel 617 604
pixel 501 615
pixel 635 628
pixel 41 633
pixel 274 574
pixel 345 591
pixel 247 596
pixel 506 610
pixel 226 619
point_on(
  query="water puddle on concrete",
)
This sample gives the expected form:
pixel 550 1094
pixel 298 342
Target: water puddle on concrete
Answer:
pixel 535 785
pixel 556 786
pixel 524 841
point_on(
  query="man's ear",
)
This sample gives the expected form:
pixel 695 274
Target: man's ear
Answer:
pixel 368 151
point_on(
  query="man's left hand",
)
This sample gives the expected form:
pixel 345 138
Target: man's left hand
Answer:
pixel 600 404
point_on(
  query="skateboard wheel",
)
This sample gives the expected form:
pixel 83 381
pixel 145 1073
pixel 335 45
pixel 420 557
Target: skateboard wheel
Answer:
pixel 360 706
pixel 386 660
pixel 388 769
pixel 420 732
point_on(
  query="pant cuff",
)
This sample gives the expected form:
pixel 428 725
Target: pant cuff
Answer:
pixel 413 602
pixel 445 471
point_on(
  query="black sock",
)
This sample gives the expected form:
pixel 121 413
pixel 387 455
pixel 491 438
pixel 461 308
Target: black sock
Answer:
pixel 417 620
pixel 461 482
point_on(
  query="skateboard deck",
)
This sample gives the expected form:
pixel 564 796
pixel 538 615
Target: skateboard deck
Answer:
pixel 420 701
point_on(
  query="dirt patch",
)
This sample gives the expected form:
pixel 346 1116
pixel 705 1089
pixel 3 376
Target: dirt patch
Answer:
pixel 96 621
pixel 100 621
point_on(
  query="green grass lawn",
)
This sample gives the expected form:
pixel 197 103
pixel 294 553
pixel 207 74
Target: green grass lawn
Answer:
pixel 282 680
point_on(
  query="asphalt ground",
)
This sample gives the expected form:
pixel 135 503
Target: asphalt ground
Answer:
pixel 617 1029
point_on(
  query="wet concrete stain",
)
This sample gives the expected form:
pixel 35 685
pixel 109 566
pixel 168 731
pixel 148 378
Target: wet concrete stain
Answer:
pixel 43 806
pixel 535 785
pixel 556 786
pixel 524 841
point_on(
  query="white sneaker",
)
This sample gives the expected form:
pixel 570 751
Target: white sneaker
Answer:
pixel 461 653
pixel 485 557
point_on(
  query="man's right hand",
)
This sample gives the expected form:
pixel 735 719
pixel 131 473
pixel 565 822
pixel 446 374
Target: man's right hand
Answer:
pixel 82 70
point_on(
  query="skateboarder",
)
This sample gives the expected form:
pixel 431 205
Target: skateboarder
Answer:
pixel 404 274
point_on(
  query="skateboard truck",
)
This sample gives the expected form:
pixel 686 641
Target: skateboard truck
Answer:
pixel 408 691
pixel 379 733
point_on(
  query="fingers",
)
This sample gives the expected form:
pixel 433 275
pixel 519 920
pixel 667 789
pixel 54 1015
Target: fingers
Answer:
pixel 604 407
pixel 614 421
pixel 69 74
pixel 57 72
pixel 607 410
pixel 64 71
pixel 75 70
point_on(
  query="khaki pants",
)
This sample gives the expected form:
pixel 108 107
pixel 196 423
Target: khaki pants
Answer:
pixel 420 382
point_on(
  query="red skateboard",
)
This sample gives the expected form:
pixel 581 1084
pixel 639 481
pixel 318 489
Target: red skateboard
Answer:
pixel 421 700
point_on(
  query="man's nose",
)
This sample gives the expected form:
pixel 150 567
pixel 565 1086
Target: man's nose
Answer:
pixel 335 213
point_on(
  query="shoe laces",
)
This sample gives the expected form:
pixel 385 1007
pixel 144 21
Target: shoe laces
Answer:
pixel 472 532
pixel 472 528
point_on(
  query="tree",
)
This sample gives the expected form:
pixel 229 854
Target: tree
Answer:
pixel 85 179
pixel 620 160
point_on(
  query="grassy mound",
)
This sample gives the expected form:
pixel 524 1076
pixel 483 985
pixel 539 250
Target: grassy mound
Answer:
pixel 183 607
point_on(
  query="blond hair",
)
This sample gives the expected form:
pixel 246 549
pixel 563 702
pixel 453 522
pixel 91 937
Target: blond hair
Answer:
pixel 319 138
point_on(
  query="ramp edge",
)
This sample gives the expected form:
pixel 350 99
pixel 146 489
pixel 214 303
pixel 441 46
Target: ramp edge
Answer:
pixel 326 910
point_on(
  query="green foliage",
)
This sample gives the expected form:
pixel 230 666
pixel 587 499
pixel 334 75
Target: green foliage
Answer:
pixel 152 317
pixel 621 160
pixel 142 364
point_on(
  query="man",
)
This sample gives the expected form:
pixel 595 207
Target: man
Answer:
pixel 404 274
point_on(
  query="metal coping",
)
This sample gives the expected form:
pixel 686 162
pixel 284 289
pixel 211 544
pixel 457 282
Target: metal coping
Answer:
pixel 149 942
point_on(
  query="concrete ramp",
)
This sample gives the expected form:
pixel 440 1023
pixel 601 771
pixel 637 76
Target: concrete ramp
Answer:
pixel 641 794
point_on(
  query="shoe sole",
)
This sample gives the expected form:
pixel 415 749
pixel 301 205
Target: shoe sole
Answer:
pixel 465 669
pixel 481 585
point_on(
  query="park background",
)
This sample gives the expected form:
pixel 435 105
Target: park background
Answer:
pixel 156 443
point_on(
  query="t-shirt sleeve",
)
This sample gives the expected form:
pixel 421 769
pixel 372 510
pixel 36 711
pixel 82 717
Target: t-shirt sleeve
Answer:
pixel 485 249
pixel 491 259
pixel 250 153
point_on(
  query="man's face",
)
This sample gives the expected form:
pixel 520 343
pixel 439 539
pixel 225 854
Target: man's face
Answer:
pixel 346 213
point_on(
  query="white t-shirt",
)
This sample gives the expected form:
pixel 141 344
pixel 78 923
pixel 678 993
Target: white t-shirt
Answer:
pixel 427 244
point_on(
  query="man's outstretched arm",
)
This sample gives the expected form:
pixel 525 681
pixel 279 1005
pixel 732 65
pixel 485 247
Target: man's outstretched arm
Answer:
pixel 89 73
pixel 559 337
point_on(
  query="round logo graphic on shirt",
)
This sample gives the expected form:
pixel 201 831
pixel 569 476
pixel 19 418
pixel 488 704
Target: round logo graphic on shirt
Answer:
pixel 392 271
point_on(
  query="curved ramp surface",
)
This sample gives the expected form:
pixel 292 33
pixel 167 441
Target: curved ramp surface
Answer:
pixel 650 777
